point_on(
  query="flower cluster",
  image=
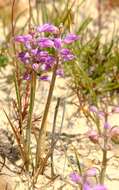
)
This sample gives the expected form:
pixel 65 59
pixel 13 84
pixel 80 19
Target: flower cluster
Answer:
pixel 40 52
pixel 83 180
pixel 112 132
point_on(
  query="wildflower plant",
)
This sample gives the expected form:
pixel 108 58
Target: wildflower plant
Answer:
pixel 40 52
pixel 103 134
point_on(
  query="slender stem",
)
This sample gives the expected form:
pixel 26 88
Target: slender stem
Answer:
pixel 37 3
pixel 18 97
pixel 29 123
pixel 53 136
pixel 99 15
pixel 17 71
pixel 42 132
pixel 104 159
pixel 104 166
pixel 30 14
pixel 13 42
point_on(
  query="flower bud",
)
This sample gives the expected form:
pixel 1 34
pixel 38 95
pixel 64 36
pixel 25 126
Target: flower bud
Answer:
pixel 93 136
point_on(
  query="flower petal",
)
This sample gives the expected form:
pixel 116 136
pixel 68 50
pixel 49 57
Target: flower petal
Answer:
pixel 45 78
pixel 35 66
pixel 47 28
pixel 107 125
pixel 60 72
pixel 75 177
pixel 57 43
pixel 26 76
pixel 99 187
pixel 45 42
pixel 87 187
pixel 24 38
pixel 66 54
pixel 70 38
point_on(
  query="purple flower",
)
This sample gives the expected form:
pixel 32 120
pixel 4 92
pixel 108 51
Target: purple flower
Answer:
pixel 93 109
pixel 24 57
pixel 106 125
pixel 26 76
pixel 65 51
pixel 57 43
pixel 47 28
pixel 34 51
pixel 47 60
pixel 75 177
pixel 99 187
pixel 60 72
pixel 28 45
pixel 24 38
pixel 45 67
pixel 70 38
pixel 50 60
pixel 45 42
pixel 87 187
pixel 93 136
pixel 101 114
pixel 69 57
pixel 45 78
pixel 42 53
pixel 35 66
pixel 66 54
pixel 96 187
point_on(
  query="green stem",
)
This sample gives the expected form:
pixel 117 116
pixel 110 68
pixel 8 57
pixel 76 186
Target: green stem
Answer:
pixel 42 132
pixel 18 97
pixel 53 137
pixel 104 166
pixel 104 159
pixel 29 123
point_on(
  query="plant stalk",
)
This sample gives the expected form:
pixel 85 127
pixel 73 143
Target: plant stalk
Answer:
pixel 104 159
pixel 29 122
pixel 104 166
pixel 42 133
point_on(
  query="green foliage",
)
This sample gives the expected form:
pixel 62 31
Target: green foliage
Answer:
pixel 3 60
pixel 95 72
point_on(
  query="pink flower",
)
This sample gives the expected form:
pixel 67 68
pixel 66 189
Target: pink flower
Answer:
pixel 24 57
pixel 40 52
pixel 66 54
pixel 60 72
pixel 99 187
pixel 24 38
pixel 70 38
pixel 93 109
pixel 57 43
pixel 26 76
pixel 106 125
pixel 96 187
pixel 45 42
pixel 75 177
pixel 35 66
pixel 87 187
pixel 45 78
pixel 93 136
pixel 47 28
